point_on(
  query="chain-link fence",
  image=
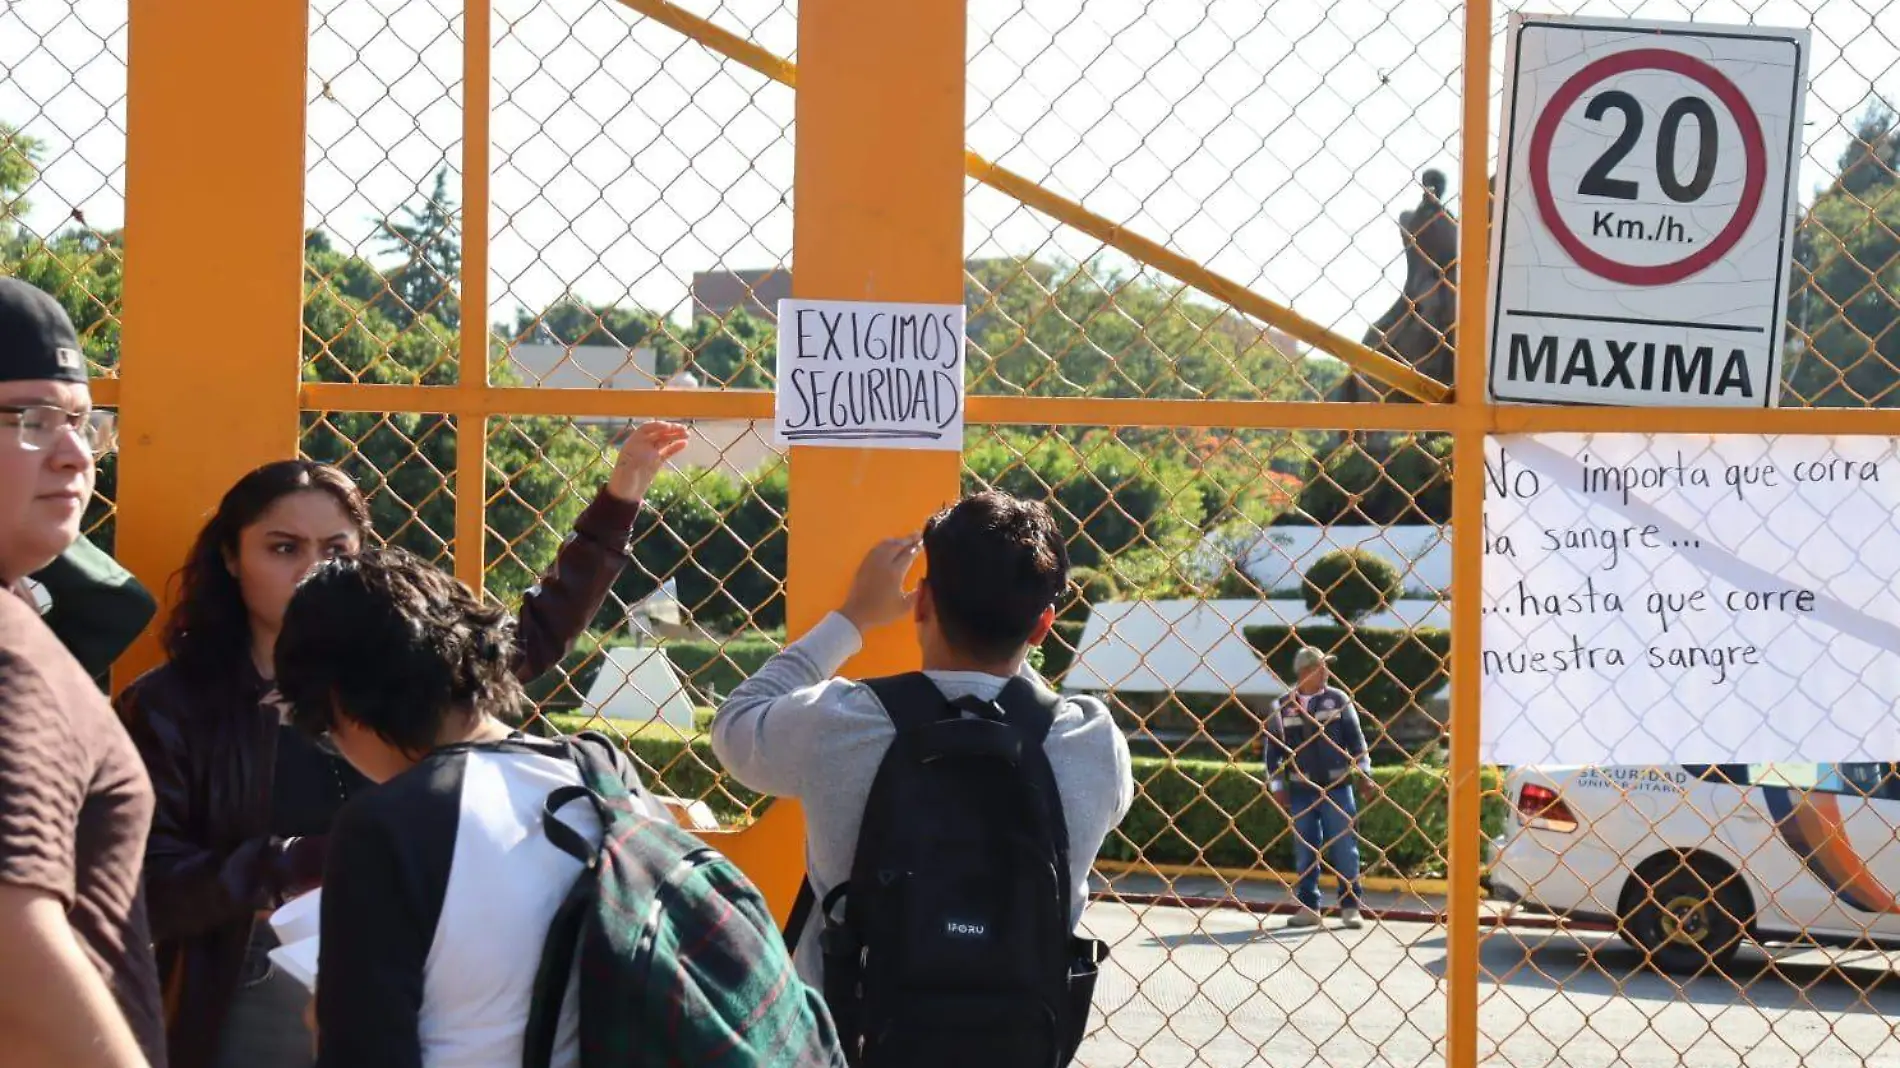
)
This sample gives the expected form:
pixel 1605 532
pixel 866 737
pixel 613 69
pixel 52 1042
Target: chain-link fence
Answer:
pixel 1152 187
pixel 62 154
pixel 1708 913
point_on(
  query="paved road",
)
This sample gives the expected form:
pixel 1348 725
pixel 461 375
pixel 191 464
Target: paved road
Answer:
pixel 1233 990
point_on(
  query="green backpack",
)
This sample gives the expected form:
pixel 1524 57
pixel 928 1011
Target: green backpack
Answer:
pixel 680 960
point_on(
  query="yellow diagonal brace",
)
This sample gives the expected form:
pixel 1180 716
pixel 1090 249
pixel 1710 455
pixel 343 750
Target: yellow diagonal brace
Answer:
pixel 1362 359
pixel 1374 365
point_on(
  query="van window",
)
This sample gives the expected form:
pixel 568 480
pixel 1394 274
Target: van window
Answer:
pixel 1798 776
pixel 1874 779
pixel 1732 774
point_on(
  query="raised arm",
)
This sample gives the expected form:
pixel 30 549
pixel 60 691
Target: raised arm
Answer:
pixel 772 732
pixel 559 607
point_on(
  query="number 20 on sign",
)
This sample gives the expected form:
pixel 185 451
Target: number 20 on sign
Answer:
pixel 1645 212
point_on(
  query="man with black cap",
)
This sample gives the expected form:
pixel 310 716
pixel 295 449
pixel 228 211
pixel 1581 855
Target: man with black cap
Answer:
pixel 77 982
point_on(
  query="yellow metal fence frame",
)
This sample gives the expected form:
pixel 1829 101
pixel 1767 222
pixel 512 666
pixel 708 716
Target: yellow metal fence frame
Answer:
pixel 198 411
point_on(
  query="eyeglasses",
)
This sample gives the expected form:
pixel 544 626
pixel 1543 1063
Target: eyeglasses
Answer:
pixel 39 426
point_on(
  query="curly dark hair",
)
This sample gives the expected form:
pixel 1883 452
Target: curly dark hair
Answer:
pixel 397 645
pixel 994 563
pixel 208 635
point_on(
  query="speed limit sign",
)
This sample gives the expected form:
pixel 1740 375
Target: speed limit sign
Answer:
pixel 1646 211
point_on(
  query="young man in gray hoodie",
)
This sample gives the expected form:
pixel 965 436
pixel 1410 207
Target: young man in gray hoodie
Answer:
pixel 995 568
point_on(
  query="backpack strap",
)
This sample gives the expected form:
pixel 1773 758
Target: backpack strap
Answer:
pixel 911 700
pixel 564 931
pixel 914 705
pixel 1032 712
pixel 801 914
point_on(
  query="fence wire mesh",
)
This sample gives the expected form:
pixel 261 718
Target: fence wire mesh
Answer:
pixel 639 231
pixel 1704 920
pixel 62 177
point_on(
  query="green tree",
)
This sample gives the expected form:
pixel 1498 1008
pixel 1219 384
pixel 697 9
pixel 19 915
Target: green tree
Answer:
pixel 735 352
pixel 721 540
pixel 540 471
pixel 1846 301
pixel 1350 584
pixel 1392 480
pixel 1047 329
pixel 572 321
pixel 20 157
pixel 424 237
pixel 84 270
pixel 1109 499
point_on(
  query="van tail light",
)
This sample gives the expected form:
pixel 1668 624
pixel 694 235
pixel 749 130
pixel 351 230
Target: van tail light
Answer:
pixel 1540 806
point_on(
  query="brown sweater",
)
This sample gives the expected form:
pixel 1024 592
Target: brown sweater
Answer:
pixel 75 807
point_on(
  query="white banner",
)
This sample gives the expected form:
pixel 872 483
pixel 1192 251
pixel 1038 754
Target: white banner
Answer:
pixel 1689 598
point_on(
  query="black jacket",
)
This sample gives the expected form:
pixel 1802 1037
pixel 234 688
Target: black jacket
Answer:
pixel 1315 739
pixel 211 864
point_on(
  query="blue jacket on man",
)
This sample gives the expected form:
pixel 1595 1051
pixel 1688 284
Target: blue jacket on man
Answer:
pixel 1314 739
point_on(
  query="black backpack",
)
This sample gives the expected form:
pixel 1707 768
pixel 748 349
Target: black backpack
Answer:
pixel 951 944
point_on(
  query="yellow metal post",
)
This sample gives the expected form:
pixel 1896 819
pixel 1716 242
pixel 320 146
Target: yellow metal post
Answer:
pixel 471 426
pixel 212 341
pixel 1467 522
pixel 878 181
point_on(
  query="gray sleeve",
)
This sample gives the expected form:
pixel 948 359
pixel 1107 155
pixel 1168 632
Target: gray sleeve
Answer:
pixel 1124 771
pixel 771 734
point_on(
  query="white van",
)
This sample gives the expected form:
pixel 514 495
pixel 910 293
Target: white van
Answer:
pixel 1688 860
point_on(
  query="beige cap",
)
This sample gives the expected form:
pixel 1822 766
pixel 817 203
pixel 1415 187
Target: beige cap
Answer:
pixel 1309 658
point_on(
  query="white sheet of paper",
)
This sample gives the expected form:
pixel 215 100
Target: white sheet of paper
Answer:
pixel 297 919
pixel 1690 598
pixel 863 374
pixel 298 960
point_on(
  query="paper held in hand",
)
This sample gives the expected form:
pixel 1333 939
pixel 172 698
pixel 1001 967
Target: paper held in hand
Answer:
pixel 296 925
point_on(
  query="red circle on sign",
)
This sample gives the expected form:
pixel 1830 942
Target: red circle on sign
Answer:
pixel 1754 149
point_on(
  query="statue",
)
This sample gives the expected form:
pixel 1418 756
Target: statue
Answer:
pixel 1417 329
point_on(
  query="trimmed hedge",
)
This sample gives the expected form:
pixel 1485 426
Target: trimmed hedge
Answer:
pixel 710 668
pixel 1350 584
pixel 1214 814
pixel 1190 812
pixel 706 667
pixel 714 668
pixel 1385 669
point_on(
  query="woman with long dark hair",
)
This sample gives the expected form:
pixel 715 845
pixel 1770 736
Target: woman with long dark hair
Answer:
pixel 244 801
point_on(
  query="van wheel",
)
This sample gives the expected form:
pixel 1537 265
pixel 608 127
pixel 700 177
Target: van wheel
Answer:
pixel 1686 914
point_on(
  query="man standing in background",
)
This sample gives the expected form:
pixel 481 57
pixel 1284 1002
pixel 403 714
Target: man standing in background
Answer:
pixel 1313 746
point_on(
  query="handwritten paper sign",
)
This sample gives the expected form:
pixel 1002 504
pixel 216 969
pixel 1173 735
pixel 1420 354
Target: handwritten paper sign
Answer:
pixel 863 374
pixel 1670 598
